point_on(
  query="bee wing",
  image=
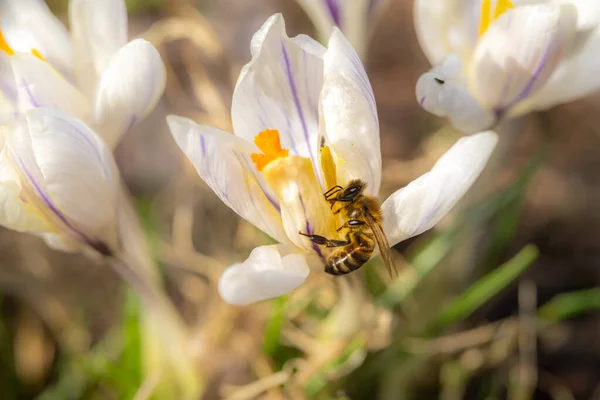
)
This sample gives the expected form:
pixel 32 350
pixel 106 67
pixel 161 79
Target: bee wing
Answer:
pixel 384 246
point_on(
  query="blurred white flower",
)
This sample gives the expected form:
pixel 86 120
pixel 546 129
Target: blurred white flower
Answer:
pixel 58 180
pixel 493 59
pixel 304 119
pixel 90 72
pixel 355 18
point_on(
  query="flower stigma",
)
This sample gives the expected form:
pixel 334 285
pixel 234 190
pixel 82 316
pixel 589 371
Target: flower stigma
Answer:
pixel 269 143
pixel 486 18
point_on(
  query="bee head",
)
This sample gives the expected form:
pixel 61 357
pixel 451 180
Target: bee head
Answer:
pixel 353 189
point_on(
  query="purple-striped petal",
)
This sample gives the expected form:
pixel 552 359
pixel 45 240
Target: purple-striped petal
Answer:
pixel 356 18
pixel 68 173
pixel 350 115
pixel 577 75
pixel 519 52
pixel 40 85
pixel 222 161
pixel 15 213
pixel 279 89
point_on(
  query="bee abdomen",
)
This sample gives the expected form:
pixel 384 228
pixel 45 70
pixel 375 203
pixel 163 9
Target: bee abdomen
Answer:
pixel 346 260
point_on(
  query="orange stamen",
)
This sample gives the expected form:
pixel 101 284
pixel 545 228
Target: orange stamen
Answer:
pixel 269 143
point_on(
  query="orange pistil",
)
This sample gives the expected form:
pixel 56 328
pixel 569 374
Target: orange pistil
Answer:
pixel 269 143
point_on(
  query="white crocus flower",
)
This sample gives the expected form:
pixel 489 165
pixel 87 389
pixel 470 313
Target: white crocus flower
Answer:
pixel 91 72
pixel 58 180
pixel 493 59
pixel 305 119
pixel 355 18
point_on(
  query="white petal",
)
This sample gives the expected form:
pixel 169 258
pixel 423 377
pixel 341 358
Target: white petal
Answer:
pixel 29 24
pixel 310 45
pixel 69 172
pixel 279 89
pixel 269 271
pixel 350 115
pixel 40 85
pixel 519 52
pixel 420 205
pixel 577 76
pixel 442 92
pixel 16 214
pixel 222 162
pixel 129 89
pixel 446 26
pixel 98 30
pixel 8 87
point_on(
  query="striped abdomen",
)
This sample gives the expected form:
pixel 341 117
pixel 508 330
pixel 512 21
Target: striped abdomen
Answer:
pixel 352 256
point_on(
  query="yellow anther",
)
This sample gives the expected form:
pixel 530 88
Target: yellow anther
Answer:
pixel 268 142
pixel 501 7
pixel 328 167
pixel 39 55
pixel 4 45
pixel 486 18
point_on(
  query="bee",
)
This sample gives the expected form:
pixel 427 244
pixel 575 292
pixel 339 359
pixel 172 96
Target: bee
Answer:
pixel 363 219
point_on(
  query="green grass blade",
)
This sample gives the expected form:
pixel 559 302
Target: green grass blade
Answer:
pixel 568 305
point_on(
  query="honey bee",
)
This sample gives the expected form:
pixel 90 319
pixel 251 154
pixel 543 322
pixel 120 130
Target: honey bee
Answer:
pixel 362 216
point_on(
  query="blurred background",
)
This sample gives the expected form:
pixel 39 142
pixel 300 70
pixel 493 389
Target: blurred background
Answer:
pixel 499 301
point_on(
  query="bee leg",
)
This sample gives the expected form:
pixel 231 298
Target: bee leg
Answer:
pixel 332 192
pixel 323 241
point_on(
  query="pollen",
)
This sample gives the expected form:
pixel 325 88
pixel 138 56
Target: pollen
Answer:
pixel 486 17
pixel 269 143
pixel 328 167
